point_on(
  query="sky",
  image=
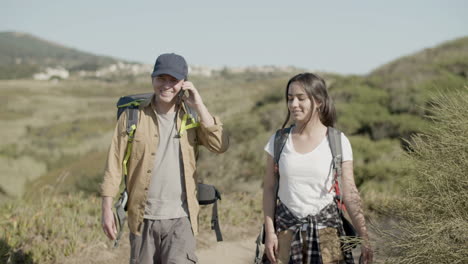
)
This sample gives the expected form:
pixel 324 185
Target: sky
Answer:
pixel 347 37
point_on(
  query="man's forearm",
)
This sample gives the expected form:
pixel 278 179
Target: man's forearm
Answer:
pixel 205 117
pixel 107 203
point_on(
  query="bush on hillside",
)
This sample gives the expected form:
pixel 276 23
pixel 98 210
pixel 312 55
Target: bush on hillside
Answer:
pixel 49 229
pixel 432 216
pixel 21 71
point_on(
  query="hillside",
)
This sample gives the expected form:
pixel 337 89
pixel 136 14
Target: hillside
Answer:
pixel 22 55
pixel 411 79
pixel 80 117
pixel 55 138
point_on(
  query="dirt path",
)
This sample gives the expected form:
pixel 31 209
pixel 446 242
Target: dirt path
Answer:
pixel 226 252
pixel 235 252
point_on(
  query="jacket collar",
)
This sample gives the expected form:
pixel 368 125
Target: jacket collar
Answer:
pixel 150 102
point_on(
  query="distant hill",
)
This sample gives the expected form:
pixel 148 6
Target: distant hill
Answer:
pixel 411 79
pixel 22 55
pixel 392 101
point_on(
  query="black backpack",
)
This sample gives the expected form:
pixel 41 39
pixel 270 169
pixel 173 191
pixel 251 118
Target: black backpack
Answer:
pixel 207 194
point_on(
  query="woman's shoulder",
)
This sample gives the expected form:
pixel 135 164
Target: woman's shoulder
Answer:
pixel 338 132
pixel 343 138
pixel 284 132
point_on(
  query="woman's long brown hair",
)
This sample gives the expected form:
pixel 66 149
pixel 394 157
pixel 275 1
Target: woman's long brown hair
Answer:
pixel 316 89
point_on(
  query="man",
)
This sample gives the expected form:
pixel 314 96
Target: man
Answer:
pixel 162 205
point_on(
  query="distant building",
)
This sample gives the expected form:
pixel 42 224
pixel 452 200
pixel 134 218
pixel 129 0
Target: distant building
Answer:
pixel 52 73
pixel 121 68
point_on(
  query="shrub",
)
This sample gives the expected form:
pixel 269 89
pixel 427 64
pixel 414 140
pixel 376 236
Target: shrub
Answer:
pixel 48 229
pixel 433 216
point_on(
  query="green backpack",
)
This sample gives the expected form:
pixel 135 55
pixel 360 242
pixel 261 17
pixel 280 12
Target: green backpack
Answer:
pixel 207 194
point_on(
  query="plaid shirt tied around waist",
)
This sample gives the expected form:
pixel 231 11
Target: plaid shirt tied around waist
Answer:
pixel 328 216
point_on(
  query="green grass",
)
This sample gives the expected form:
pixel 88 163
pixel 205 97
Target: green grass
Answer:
pixel 76 174
pixel 70 134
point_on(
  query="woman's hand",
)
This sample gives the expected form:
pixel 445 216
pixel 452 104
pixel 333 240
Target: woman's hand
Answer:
pixel 352 201
pixel 269 203
pixel 367 254
pixel 271 247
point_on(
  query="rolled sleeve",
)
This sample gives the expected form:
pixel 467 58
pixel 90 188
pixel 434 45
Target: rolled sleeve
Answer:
pixel 214 137
pixel 213 128
pixel 113 171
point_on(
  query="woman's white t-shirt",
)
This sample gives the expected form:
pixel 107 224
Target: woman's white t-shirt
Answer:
pixel 305 179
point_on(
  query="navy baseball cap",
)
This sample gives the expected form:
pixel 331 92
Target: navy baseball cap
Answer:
pixel 172 64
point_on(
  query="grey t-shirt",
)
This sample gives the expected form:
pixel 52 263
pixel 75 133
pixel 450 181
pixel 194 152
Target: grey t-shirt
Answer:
pixel 166 197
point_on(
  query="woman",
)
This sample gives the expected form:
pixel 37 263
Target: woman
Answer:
pixel 306 200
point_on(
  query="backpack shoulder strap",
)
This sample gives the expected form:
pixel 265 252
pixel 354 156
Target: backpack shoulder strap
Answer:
pixel 189 119
pixel 132 119
pixel 280 140
pixel 281 137
pixel 192 113
pixel 334 139
pixel 121 205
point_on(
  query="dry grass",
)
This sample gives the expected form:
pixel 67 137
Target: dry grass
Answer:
pixel 240 216
pixel 433 215
pixel 46 230
pixel 57 227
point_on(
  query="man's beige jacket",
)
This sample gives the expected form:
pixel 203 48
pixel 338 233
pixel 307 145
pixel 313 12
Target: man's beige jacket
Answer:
pixel 142 160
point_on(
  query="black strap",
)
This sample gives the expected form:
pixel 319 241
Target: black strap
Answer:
pixel 281 136
pixel 215 222
pixel 214 216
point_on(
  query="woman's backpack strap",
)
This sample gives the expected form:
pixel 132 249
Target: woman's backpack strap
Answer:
pixel 281 137
pixel 280 140
pixel 334 139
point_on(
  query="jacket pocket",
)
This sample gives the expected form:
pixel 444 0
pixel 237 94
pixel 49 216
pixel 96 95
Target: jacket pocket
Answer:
pixel 138 148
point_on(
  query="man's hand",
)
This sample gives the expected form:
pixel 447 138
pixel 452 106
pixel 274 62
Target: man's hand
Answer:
pixel 108 221
pixel 194 99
